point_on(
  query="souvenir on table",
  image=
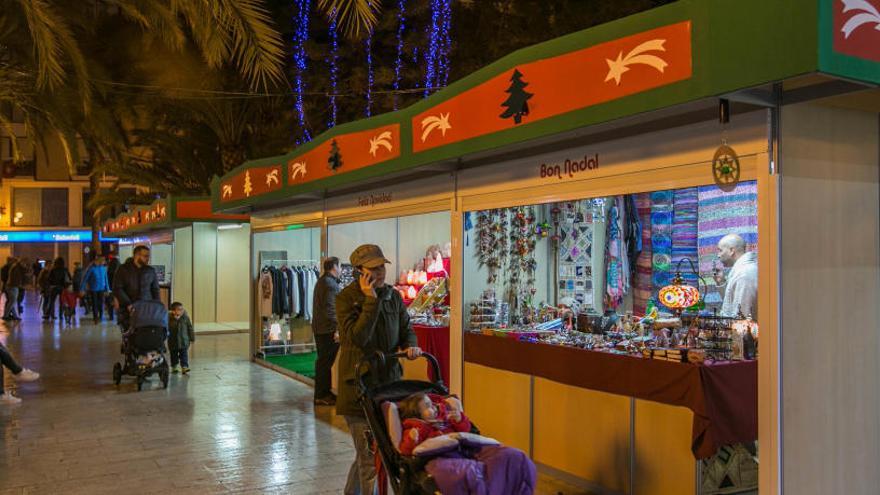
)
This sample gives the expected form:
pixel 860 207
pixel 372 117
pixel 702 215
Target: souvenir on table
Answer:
pixel 430 294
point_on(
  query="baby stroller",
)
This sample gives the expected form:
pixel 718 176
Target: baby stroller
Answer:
pixel 143 344
pixel 406 474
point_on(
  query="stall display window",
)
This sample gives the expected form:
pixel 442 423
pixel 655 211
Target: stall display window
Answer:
pixel 632 274
pixel 287 263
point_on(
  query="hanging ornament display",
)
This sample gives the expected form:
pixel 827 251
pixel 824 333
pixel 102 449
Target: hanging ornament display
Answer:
pixel 489 236
pixel 300 63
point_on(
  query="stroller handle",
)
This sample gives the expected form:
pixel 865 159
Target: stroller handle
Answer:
pixel 381 359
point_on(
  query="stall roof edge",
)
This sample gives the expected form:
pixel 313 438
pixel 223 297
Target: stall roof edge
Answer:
pixel 763 44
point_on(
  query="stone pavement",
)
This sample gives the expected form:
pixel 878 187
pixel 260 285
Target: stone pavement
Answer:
pixel 228 427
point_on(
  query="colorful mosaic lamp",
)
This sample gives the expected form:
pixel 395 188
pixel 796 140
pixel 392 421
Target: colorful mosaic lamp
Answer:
pixel 678 296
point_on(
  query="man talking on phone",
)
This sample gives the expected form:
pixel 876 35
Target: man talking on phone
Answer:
pixel 372 317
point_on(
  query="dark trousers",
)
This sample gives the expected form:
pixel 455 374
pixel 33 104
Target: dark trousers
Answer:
pixel 7 360
pixel 11 309
pixel 327 350
pixel 110 309
pixel 54 293
pixel 97 302
pixel 179 355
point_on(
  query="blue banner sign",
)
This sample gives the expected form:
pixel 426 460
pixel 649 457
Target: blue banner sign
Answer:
pixel 47 236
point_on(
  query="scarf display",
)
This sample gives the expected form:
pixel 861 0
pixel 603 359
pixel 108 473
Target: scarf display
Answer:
pixel 661 238
pixel 684 232
pixel 643 286
pixel 721 213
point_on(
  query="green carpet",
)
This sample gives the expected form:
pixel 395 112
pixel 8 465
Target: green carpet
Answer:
pixel 304 363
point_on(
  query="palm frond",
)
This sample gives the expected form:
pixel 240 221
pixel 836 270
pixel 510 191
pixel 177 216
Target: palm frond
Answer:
pixel 54 48
pixel 354 17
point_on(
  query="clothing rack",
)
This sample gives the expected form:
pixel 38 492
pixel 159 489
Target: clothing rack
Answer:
pixel 288 346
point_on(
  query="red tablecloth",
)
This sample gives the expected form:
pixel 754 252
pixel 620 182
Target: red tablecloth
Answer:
pixel 722 396
pixel 435 340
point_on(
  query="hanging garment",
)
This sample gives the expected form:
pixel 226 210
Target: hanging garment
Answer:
pixel 265 291
pixel 632 230
pixel 276 292
pixel 311 278
pixel 303 297
pixel 642 285
pixel 615 257
pixel 661 239
pixel 684 233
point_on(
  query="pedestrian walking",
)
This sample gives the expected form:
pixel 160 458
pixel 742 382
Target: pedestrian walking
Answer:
pixel 324 327
pixel 13 284
pixel 58 279
pixel 134 281
pixel 180 335
pixel 96 285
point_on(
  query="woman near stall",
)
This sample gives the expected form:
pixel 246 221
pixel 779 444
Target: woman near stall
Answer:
pixel 372 317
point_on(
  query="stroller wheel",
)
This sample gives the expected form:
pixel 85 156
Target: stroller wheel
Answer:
pixel 140 382
pixel 117 373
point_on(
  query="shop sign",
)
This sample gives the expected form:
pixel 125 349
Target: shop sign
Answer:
pixel 48 236
pixel 557 85
pixel 374 199
pixel 569 168
pixel 344 153
pixel 857 28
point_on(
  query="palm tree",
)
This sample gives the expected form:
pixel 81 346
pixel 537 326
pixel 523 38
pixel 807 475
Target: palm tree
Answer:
pixel 50 68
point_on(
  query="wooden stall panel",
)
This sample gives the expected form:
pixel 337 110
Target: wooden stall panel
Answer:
pixel 584 433
pixel 664 463
pixel 498 403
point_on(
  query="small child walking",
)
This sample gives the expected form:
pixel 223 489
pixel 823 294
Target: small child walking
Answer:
pixel 181 335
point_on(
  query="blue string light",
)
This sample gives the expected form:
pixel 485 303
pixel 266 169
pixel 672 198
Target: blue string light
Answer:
pixel 398 63
pixel 300 36
pixel 369 47
pixel 432 49
pixel 334 70
pixel 445 43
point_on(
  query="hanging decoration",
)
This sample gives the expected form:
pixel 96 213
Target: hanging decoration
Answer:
pixel 491 233
pixel 334 69
pixel 369 48
pixel 521 263
pixel 439 44
pixel 300 62
pixel 398 61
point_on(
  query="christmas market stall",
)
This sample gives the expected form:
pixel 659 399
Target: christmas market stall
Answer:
pixel 199 257
pixel 663 243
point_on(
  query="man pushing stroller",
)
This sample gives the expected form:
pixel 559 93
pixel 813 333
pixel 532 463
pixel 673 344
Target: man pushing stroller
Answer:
pixel 135 280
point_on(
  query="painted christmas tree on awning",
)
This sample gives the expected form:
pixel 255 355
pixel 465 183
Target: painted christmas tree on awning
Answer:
pixel 517 103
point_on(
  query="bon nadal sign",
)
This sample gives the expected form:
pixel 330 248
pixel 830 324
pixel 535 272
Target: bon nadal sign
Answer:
pixel 856 26
pixel 556 85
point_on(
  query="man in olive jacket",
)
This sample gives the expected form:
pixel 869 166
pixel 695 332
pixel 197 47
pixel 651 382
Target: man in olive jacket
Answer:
pixel 372 317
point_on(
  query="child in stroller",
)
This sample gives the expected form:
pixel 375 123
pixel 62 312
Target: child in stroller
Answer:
pixel 69 301
pixel 143 344
pixel 435 448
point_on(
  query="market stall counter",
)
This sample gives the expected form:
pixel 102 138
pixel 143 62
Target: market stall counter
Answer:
pixel 723 396
pixel 435 341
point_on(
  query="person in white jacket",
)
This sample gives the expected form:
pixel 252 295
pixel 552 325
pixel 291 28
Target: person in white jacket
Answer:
pixel 741 284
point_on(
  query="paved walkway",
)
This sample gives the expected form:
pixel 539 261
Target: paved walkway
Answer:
pixel 229 427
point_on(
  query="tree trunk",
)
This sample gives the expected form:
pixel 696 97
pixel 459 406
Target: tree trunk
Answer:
pixel 94 187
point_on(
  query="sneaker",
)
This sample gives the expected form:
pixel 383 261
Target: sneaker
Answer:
pixel 326 401
pixel 185 370
pixel 175 369
pixel 8 398
pixel 27 375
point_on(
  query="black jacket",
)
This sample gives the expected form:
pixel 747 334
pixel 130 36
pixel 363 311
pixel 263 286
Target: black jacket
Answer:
pixel 16 276
pixel 324 305
pixel 133 284
pixel 59 277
